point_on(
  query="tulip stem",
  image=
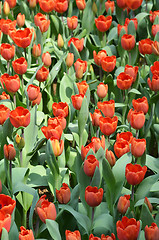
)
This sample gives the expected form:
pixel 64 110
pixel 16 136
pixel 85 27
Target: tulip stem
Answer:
pixel 22 86
pixel 129 58
pixel 97 133
pixel 25 53
pixel 132 193
pixel 14 99
pixel 100 74
pixel 8 67
pixel 137 133
pixel 92 214
pixel 10 170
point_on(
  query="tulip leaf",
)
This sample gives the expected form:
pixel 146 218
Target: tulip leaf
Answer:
pixel 108 175
pixel 140 16
pixel 24 9
pixel 113 34
pixel 53 229
pixel 4 235
pixel 103 224
pixel 152 163
pixel 13 233
pixel 87 21
pixel 96 178
pixel 66 89
pixel 146 216
pixel 74 50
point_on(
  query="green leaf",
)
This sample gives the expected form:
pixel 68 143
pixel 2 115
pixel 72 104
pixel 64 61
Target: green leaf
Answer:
pixel 87 22
pixel 37 176
pixel 13 233
pixel 108 175
pixel 155 187
pixel 152 163
pixel 66 89
pixel 4 234
pixel 140 16
pixel 146 216
pixel 96 178
pixel 24 9
pixel 53 229
pixel 112 34
pixel 103 224
pixel 141 201
pixel 83 116
pixel 133 90
pixel 74 50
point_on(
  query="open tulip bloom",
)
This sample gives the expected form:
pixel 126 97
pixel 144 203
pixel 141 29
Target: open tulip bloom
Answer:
pixel 79 119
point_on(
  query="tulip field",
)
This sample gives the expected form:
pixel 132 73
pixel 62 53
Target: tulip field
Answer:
pixel 79 120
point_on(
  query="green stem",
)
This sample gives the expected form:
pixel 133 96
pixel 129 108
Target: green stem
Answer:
pixel 132 193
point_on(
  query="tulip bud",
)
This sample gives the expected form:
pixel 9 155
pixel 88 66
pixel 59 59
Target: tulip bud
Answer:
pixel 123 204
pixel 57 146
pixel 60 42
pixel 32 3
pixel 20 142
pixel 102 90
pixel 147 202
pixel 36 50
pixel 20 20
pixel 9 152
pixel 110 157
pixel 94 8
pixel 64 194
pixel 155 48
pixel 79 73
pixel 0 186
pixel 69 60
pixel 46 58
pixel 6 8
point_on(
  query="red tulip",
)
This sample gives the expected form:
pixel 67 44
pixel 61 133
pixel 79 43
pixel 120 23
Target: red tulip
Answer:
pixel 137 119
pixel 7 25
pixel 109 4
pixel 145 46
pixel 95 117
pixel 7 51
pixel 107 108
pixel 41 22
pixel 92 237
pixel 108 63
pixel 4 96
pixel 133 4
pixel 20 117
pixel 131 71
pixel 155 29
pixel 47 5
pixel 80 68
pixel 126 136
pixel 26 234
pixel 108 125
pixel 58 120
pixel 77 101
pixel 22 38
pixel 42 74
pixel 7 204
pixel 72 22
pixel 140 104
pixel 90 165
pixel 99 57
pixel 98 143
pixel 12 83
pixel 121 3
pixel 109 155
pixel 103 23
pixel 33 92
pixel 53 130
pixel 86 149
pixel 57 146
pixel 20 20
pixel 12 3
pixel 147 202
pixel 9 152
pixel 135 173
pixel 93 196
pixel 46 59
pixel 20 65
pixel 77 43
pixel 123 204
pixel 81 4
pixel 134 20
pixel 128 228
pixel 153 15
pixel 121 147
pixel 69 60
pixel 82 87
pixel 154 84
pixel 5 222
pixel 112 237
pixel 4 113
pixel 138 147
pixel 72 235
pixel 128 42
pixel 60 108
pixel 155 68
pixel 124 81
pixel 64 194
pixel 102 90
pixel 152 232
pixel 47 210
pixel 61 6
pixel 37 100
pixel 36 50
pixel 120 27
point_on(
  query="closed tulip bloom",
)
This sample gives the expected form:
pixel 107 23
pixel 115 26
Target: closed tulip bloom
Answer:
pixel 140 104
pixel 131 71
pixel 123 204
pixel 60 108
pixel 69 60
pixel 20 65
pixel 9 152
pixel 77 101
pixel 78 43
pixel 120 27
pixel 149 205
pixel 20 117
pixel 4 96
pixel 64 194
pixel 152 232
pixel 93 196
pixel 153 15
pixel 72 22
pixel 41 22
pixel 26 234
pixel 81 4
pixel 108 125
pixel 127 21
pixel 137 119
pixel 47 5
pixel 107 108
pixel 61 6
pixel 98 57
pixel 12 3
pixel 72 235
pixel 32 3
pixel 86 149
pixel 79 64
pixel 155 29
pixel 155 68
pixel 155 48
pixel 138 147
pixel 82 87
pixel 128 228
pixel 128 42
pixel 90 165
pixel 7 204
pixel 121 3
pixel 37 100
pixel 108 63
pixel 7 25
pixel 98 143
pixel 33 92
pixel 57 146
pixel 145 46
pixel 124 81
pixel 36 50
pixel 20 20
pixel 133 4
pixel 4 113
pixel 154 84
pixel 5 222
pixel 135 173
pixel 22 38
pixel 126 136
pixel 121 147
pixel 95 117
pixel 46 59
pixel 12 83
pixel 42 74
pixel 102 90
pixel 109 4
pixel 46 211
pixel 112 237
pixel 53 130
pixel 109 155
pixel 6 8
pixel 7 51
pixel 39 202
pixel 58 120
pixel 103 23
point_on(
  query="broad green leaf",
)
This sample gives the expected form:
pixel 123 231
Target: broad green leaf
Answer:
pixel 4 234
pixel 53 229
pixel 152 163
pixel 66 89
pixel 87 21
pixel 13 233
pixel 82 117
pixel 146 216
pixel 103 224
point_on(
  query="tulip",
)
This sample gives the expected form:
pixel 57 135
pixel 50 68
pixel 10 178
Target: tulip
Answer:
pixel 155 48
pixel 109 155
pixel 112 237
pixel 93 196
pixel 60 108
pixel 145 46
pixel 58 120
pixel 126 136
pixel 5 222
pixel 79 44
pixel 37 100
pixel 108 63
pixel 103 23
pixel 39 202
pixel 4 113
pixel 22 38
pixel 20 65
pixel 152 232
pixel 61 6
pixel 124 81
pixel 155 68
pixel 82 87
pixel 128 42
pixel 47 5
pixel 133 4
pixel 95 117
pixel 36 50
pixel 135 173
pixel 92 237
pixel 64 194
pixel 42 74
pixel 109 4
pixel 33 92
pixel 72 22
pixel 98 143
pixel 57 146
pixel 12 83
pixel 12 3
pixel 7 204
pixel 9 152
pixel 46 59
pixel 123 204
pixel 7 25
pixel 140 104
pixel 127 228
pixel 69 60
pixel 121 147
pixel 60 41
pixel 120 27
pixel 26 234
pixel 155 29
pixel 41 22
pixel 81 4
pixel 20 117
pixel 108 125
pixel 53 130
pixel 77 101
pixel 102 90
pixel 147 202
pixel 121 3
pixel 134 20
pixel 107 108
pixel 154 84
pixel 4 96
pixel 131 71
pixel 47 210
pixel 90 165
pixel 79 64
pixel 153 15
pixel 138 147
pixel 99 57
pixel 32 3
pixel 6 8
pixel 72 235
pixel 137 119
pixel 20 20
pixel 86 149
pixel 7 51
